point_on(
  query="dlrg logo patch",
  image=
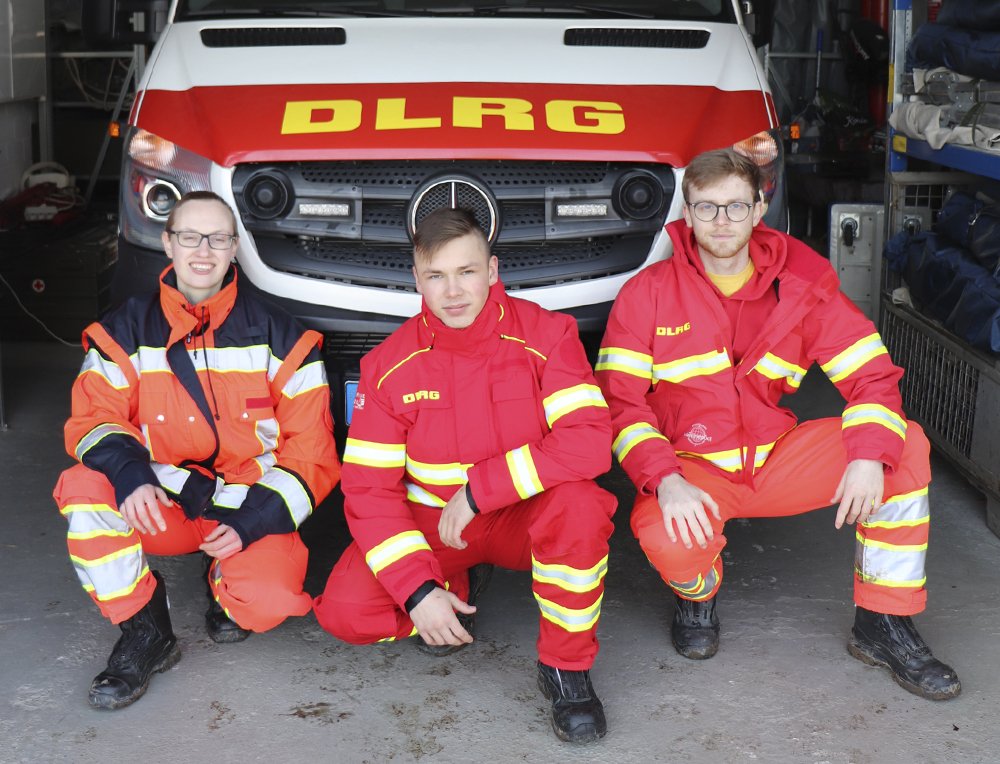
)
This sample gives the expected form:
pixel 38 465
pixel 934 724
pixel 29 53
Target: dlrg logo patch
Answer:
pixel 421 395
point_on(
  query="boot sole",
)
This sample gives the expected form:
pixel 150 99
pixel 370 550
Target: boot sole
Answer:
pixel 695 654
pixel 107 703
pixel 590 736
pixel 866 654
pixel 439 651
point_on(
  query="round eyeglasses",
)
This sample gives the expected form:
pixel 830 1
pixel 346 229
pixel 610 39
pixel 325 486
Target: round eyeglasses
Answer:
pixel 706 212
pixel 192 239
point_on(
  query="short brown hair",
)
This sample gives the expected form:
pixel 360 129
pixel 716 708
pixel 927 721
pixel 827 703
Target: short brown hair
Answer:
pixel 444 225
pixel 716 166
pixel 201 196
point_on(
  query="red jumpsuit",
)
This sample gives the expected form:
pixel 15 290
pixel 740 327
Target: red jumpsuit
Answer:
pixel 693 380
pixel 510 407
pixel 226 407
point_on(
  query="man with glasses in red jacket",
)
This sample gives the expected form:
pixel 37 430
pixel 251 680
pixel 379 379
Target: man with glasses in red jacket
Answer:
pixel 698 352
pixel 477 430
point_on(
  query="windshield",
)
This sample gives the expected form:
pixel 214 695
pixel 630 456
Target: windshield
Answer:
pixel 681 10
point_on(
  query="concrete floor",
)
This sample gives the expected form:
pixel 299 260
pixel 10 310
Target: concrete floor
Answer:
pixel 782 688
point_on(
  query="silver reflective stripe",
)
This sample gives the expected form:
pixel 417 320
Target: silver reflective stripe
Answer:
pixel 265 462
pixel 96 435
pixel 253 358
pixel 632 435
pixel 114 575
pixel 437 474
pixel 610 360
pixel 273 367
pixel 307 378
pixel 110 371
pixel 890 567
pixel 771 367
pixel 172 478
pixel 86 521
pixel 910 507
pixel 229 495
pixel 679 371
pixel 418 495
pixel 568 618
pixel 291 490
pixel 150 360
pixel 698 586
pixel 570 579
pixel 854 358
pixel 267 431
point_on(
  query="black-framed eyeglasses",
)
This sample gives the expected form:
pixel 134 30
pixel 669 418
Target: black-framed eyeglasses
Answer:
pixel 192 239
pixel 706 212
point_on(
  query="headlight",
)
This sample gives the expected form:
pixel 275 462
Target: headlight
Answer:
pixel 768 152
pixel 155 175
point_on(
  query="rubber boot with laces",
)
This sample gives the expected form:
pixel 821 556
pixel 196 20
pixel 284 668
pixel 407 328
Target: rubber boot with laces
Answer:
pixel 892 641
pixel 577 712
pixel 695 630
pixel 221 628
pixel 479 578
pixel 147 645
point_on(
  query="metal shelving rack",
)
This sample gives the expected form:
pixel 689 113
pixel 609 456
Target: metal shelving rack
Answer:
pixel 951 389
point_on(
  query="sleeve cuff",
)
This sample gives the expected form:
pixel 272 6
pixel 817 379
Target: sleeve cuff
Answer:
pixel 240 530
pixel 132 476
pixel 469 497
pixel 418 596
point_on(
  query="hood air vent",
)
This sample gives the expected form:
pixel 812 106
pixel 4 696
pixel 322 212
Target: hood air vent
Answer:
pixel 637 38
pixel 272 37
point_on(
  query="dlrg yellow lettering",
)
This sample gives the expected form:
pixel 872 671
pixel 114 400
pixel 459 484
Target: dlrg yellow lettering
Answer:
pixel 672 331
pixel 422 395
pixel 321 117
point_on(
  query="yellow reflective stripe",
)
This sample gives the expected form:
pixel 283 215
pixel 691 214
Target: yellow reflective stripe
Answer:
pixel 106 558
pixel 523 473
pixel 415 352
pixel 372 454
pixel 906 496
pixel 99 532
pixel 773 367
pixel 872 413
pixel 305 379
pixel 897 523
pixel 891 547
pixel 418 495
pixel 632 436
pixel 762 453
pixel 852 359
pixel 71 508
pixel 628 361
pixel 692 366
pixel 394 549
pixel 887 582
pixel 393 639
pixel 571 579
pixel 570 619
pixel 109 371
pixel 120 592
pixel 96 435
pixel 730 461
pixel 570 399
pixel 452 473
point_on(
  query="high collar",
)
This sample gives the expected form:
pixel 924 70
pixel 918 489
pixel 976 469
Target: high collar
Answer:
pixel 768 251
pixel 185 318
pixel 479 338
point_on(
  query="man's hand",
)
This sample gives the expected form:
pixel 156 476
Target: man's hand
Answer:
pixel 684 503
pixel 140 509
pixel 435 618
pixel 223 542
pixel 860 491
pixel 454 517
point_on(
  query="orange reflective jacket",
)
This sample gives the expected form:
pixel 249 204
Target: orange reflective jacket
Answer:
pixel 225 405
pixel 666 364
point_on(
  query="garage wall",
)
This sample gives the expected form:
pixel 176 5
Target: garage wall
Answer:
pixel 22 81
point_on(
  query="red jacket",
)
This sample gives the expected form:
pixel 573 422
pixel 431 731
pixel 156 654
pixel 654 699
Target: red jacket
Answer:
pixel 666 368
pixel 508 405
pixel 225 405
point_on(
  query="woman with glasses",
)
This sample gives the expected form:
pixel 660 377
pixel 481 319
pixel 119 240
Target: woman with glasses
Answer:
pixel 201 421
pixel 698 352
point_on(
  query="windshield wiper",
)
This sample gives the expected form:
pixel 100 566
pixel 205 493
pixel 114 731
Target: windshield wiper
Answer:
pixel 291 11
pixel 588 10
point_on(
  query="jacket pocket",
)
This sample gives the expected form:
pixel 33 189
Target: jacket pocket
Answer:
pixel 516 408
pixel 153 409
pixel 255 407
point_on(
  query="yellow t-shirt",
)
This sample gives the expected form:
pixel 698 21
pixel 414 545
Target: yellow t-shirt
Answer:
pixel 730 285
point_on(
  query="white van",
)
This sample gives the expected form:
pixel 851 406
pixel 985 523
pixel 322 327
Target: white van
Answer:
pixel 334 126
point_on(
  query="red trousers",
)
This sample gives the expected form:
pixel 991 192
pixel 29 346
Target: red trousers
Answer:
pixel 259 587
pixel 802 474
pixel 561 535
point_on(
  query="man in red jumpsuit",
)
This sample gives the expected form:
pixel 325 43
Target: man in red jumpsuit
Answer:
pixel 698 352
pixel 477 430
pixel 201 420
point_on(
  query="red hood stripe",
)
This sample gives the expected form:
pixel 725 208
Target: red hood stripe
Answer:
pixel 662 123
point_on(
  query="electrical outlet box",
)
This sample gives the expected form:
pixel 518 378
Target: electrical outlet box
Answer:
pixel 856 236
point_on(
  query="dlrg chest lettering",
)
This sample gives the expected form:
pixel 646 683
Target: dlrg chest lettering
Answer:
pixel 672 331
pixel 421 395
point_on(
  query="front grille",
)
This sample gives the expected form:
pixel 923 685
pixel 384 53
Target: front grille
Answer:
pixel 637 38
pixel 272 37
pixel 372 246
pixel 497 175
pixel 344 346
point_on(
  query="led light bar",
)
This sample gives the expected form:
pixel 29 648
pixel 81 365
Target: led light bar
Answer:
pixel 581 210
pixel 325 210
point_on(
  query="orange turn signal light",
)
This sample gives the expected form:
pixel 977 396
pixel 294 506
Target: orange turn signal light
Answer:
pixel 114 129
pixel 796 132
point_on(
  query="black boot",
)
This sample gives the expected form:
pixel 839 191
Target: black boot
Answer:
pixel 577 712
pixel 147 644
pixel 479 578
pixel 221 628
pixel 695 630
pixel 893 641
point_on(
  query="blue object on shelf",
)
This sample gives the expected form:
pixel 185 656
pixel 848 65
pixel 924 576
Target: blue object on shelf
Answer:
pixel 974 53
pixel 975 161
pixel 350 391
